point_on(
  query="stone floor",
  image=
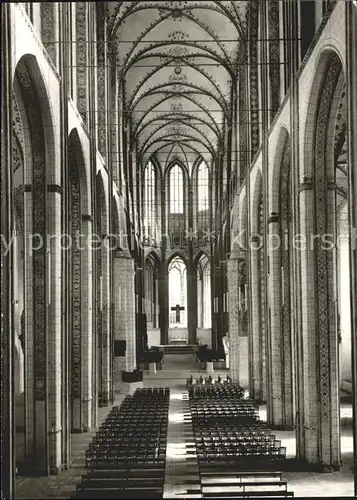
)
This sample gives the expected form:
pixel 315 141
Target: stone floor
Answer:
pixel 64 484
pixel 181 479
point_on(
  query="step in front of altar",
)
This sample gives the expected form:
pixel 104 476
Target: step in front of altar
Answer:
pixel 178 348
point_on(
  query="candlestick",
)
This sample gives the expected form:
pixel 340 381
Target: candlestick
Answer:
pixel 245 296
pixel 239 299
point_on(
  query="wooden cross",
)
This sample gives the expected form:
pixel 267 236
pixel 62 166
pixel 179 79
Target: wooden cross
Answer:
pixel 177 308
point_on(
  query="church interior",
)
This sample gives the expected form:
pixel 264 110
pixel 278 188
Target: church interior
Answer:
pixel 178 249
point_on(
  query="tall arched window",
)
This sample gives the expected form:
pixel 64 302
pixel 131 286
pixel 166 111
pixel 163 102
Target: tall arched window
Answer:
pixel 202 199
pixel 149 200
pixel 176 190
pixel 177 292
pixel 202 187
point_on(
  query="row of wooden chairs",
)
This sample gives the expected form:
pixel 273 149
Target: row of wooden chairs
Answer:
pixel 127 457
pixel 217 391
pixel 237 454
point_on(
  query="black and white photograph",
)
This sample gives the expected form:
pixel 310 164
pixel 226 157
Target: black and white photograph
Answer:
pixel 178 243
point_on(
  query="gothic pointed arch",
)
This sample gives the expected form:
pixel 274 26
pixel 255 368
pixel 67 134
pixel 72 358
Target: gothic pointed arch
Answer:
pixel 287 279
pixel 151 206
pixel 320 189
pixel 177 281
pixel 152 272
pixel 201 198
pixel 35 199
pixel 177 191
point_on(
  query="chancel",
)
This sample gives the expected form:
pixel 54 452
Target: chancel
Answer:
pixel 178 249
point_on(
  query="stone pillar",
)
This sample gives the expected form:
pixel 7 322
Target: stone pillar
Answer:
pixel 105 347
pixel 119 318
pixel 43 419
pixel 6 217
pixel 87 364
pixel 53 367
pixel 28 327
pixel 199 303
pixel 318 440
pixel 257 374
pixel 234 317
pixel 280 392
pixel 351 87
pixel 164 304
pixel 130 316
pixel 192 303
pixel 124 315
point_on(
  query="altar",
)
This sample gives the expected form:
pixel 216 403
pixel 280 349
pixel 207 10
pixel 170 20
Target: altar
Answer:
pixel 178 336
pixel 178 341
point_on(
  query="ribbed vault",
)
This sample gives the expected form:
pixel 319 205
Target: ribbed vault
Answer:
pixel 177 64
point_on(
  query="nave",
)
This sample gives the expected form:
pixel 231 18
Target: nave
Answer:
pixel 184 474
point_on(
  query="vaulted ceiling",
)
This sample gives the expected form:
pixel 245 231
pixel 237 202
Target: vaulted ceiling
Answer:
pixel 178 61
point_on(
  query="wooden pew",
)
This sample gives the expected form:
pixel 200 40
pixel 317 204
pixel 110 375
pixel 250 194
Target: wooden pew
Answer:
pixel 127 457
pixel 237 455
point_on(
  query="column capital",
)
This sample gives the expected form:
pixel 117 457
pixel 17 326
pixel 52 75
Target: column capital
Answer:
pixel 255 239
pixel 306 184
pixel 274 217
pixel 331 184
pixel 119 253
pixel 237 256
pixel 54 188
pixel 87 218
